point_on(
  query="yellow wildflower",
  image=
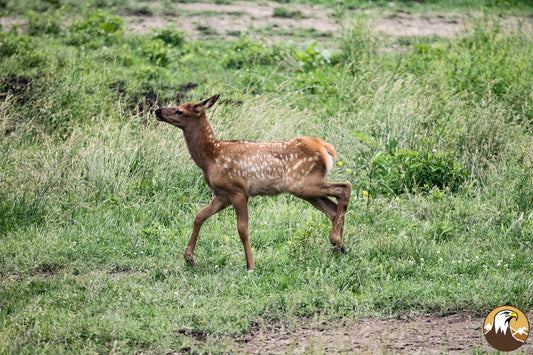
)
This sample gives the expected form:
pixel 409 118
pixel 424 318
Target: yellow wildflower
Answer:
pixel 340 163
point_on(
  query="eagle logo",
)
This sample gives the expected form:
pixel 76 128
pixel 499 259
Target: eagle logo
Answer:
pixel 506 328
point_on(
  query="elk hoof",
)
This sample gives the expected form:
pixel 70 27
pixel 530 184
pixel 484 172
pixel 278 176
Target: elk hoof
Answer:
pixel 339 249
pixel 189 258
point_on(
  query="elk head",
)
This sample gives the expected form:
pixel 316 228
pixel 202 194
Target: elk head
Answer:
pixel 182 116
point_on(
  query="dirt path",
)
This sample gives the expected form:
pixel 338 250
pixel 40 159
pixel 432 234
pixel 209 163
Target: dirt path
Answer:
pixel 430 334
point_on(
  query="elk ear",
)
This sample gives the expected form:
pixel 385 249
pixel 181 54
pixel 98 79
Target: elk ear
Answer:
pixel 207 103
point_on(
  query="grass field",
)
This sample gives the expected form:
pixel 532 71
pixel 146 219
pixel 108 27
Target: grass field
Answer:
pixel 97 199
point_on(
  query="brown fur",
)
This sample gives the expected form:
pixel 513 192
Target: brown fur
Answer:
pixel 237 170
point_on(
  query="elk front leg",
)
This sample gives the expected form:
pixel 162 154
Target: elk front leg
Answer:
pixel 240 204
pixel 216 205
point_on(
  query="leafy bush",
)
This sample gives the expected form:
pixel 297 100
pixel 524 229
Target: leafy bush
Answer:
pixel 22 49
pixel 99 25
pixel 11 44
pixel 422 171
pixel 408 171
pixel 170 36
pixel 156 51
pixel 283 12
pixel 314 56
pixel 246 52
pixel 42 24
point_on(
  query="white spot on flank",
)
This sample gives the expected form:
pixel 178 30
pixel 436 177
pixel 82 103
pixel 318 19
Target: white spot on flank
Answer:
pixel 297 164
pixel 310 169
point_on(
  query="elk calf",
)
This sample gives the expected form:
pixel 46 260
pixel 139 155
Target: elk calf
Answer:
pixel 236 170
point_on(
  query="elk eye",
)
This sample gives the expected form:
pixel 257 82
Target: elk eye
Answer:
pixel 179 112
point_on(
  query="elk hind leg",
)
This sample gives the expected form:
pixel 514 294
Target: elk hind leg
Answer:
pixel 318 195
pixel 342 192
pixel 325 205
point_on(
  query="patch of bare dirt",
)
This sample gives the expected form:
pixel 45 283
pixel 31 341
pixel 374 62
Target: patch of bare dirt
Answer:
pixel 266 20
pixel 237 18
pixel 274 21
pixel 439 24
pixel 8 23
pixel 404 24
pixel 426 334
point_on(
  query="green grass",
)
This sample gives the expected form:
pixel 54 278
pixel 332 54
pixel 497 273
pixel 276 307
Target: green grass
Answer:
pixel 284 12
pixel 97 199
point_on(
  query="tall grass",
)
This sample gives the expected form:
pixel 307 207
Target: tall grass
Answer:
pixel 97 198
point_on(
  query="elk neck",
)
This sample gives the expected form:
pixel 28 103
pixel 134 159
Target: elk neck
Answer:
pixel 201 142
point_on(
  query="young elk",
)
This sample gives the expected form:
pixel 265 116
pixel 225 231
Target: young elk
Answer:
pixel 236 170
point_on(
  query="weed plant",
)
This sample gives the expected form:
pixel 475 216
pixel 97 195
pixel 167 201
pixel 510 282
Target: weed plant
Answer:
pixel 97 199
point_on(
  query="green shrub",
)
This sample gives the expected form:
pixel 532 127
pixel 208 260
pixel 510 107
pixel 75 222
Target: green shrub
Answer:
pixel 170 36
pixel 283 12
pixel 313 56
pixel 248 53
pixel 22 49
pixel 157 52
pixel 421 171
pixel 12 44
pixel 97 26
pixel 43 24
pixel 408 171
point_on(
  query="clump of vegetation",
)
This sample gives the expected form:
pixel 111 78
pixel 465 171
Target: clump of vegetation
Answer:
pixel 408 171
pixel 480 65
pixel 42 25
pixel 171 36
pixel 246 52
pixel 313 56
pixel 284 12
pixel 99 27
